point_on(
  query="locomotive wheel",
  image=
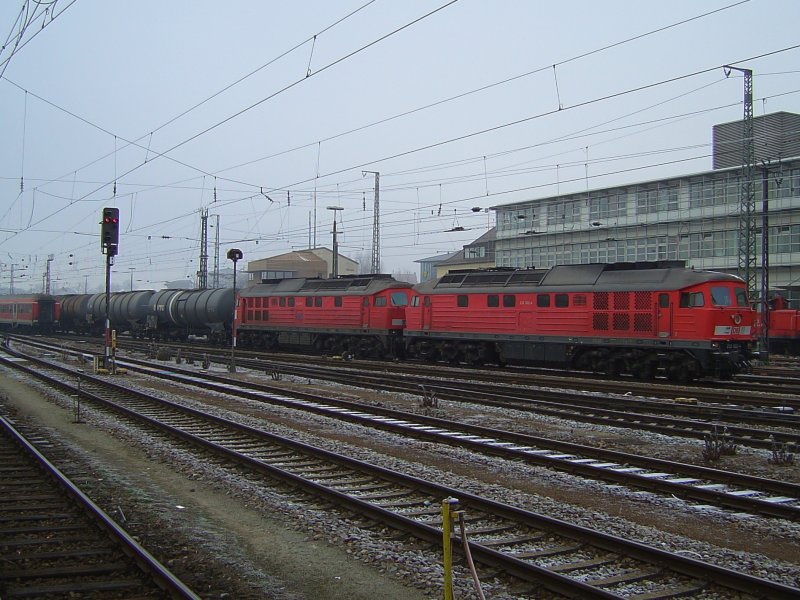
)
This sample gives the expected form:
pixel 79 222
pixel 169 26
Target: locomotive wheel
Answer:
pixel 646 371
pixel 615 366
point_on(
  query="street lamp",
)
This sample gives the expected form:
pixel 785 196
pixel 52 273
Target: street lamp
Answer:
pixel 335 242
pixel 235 255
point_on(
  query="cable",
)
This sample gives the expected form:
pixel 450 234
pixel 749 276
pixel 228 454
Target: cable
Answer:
pixel 483 88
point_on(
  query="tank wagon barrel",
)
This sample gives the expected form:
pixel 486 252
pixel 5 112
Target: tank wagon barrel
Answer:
pixel 180 313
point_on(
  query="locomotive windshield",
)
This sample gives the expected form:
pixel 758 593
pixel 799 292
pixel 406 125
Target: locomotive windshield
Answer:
pixel 399 299
pixel 721 296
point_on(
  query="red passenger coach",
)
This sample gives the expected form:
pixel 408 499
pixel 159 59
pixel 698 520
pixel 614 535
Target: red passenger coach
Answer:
pixel 359 315
pixel 39 312
pixel 624 318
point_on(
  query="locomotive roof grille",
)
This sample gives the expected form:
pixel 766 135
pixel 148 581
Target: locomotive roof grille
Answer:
pixel 585 277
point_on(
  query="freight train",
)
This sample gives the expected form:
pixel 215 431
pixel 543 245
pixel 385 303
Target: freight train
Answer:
pixel 161 315
pixel 638 319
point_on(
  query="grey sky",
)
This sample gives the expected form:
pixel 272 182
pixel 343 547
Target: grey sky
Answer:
pixel 128 68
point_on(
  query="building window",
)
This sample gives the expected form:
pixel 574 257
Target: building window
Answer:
pixel 608 204
pixel 661 198
pixel 475 252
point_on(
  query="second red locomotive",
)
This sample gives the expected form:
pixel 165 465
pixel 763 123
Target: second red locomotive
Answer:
pixel 625 318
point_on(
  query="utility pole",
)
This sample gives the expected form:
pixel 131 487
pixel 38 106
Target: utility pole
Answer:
pixel 216 253
pixel 202 274
pixel 376 223
pixel 50 258
pixel 747 197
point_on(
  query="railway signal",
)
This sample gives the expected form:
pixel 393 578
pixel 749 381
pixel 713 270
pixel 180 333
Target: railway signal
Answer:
pixel 109 231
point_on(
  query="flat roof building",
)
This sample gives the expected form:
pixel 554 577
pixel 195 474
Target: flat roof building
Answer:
pixel 692 217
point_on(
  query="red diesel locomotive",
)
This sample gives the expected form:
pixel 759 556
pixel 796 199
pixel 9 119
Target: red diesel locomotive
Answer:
pixel 38 312
pixel 359 315
pixel 626 318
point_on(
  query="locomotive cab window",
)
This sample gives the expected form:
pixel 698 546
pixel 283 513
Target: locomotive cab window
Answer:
pixel 741 297
pixel 462 300
pixel 692 299
pixel 721 296
pixel 337 300
pixel 318 301
pixel 380 301
pixel 309 301
pixel 509 301
pixel 492 300
pixel 283 301
pixel 427 301
pixel 562 300
pixel 399 299
pixel 543 300
pixel 291 301
pixel 415 301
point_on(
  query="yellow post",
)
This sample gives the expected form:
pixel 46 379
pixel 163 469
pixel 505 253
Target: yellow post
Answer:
pixel 448 506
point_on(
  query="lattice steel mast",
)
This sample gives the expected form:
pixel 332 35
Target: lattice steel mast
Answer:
pixel 747 195
pixel 376 224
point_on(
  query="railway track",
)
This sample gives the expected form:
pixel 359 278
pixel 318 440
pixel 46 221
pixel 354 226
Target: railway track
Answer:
pixel 564 558
pixel 761 392
pixel 777 431
pixel 732 491
pixel 56 543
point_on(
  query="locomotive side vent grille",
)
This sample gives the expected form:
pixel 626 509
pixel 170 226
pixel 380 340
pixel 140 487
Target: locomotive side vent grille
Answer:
pixel 642 300
pixel 622 301
pixel 643 322
pixel 622 322
pixel 600 300
pixel 579 300
pixel 600 321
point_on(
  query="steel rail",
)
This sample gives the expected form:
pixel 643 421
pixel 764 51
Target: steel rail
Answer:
pixel 723 577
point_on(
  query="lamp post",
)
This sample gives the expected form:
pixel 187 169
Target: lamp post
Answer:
pixel 235 255
pixel 335 242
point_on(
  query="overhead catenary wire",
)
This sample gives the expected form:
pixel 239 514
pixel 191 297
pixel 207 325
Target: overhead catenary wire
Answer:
pixel 268 97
